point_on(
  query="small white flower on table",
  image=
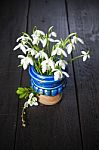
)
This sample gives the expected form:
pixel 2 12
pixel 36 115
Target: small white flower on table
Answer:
pixel 32 100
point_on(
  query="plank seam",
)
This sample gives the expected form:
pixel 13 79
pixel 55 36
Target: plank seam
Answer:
pixel 75 80
pixel 27 17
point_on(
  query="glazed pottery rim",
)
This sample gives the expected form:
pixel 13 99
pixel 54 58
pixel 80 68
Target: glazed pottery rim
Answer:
pixel 39 77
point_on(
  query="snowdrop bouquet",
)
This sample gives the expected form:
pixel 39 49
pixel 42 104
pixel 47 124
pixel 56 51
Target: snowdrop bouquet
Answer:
pixel 48 55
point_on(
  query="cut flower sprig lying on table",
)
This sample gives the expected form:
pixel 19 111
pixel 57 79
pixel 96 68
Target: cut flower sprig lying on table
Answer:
pixel 48 55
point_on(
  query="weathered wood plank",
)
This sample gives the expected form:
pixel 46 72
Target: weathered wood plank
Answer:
pixel 13 18
pixel 51 127
pixel 83 18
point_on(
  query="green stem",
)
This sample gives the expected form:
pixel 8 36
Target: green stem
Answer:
pixel 29 44
pixel 73 59
pixel 37 68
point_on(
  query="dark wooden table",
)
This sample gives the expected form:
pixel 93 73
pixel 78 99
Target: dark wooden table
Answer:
pixel 73 124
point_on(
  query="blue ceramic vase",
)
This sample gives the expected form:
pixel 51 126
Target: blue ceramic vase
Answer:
pixel 46 85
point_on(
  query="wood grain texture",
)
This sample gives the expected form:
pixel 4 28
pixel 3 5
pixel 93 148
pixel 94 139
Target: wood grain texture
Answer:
pixel 12 22
pixel 84 18
pixel 50 127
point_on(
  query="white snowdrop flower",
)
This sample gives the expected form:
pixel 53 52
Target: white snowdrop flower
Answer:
pixel 61 63
pixel 43 41
pixel 47 65
pixel 52 40
pixel 37 37
pixel 32 100
pixel 21 46
pixel 39 32
pixel 31 95
pixel 23 38
pixel 85 55
pixel 58 51
pixel 25 61
pixel 58 75
pixel 80 40
pixel 53 34
pixel 35 103
pixel 26 104
pixel 41 54
pixel 76 39
pixel 32 51
pixel 17 46
pixel 20 38
pixel 70 47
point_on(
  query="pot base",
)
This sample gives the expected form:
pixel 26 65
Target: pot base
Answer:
pixel 49 100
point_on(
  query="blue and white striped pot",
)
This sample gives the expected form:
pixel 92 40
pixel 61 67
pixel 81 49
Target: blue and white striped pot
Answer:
pixel 46 85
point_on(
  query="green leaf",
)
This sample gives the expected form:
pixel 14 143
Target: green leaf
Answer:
pixel 19 92
pixel 22 95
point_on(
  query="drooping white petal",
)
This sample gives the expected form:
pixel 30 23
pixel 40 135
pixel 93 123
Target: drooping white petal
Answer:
pixel 35 99
pixel 88 56
pixel 16 47
pixel 35 41
pixel 30 61
pixel 26 104
pixel 84 57
pixel 74 40
pixel 47 65
pixel 37 55
pixel 41 54
pixel 57 41
pixel 21 56
pixel 53 34
pixel 44 55
pixel 66 74
pixel 44 68
pixel 61 63
pixel 43 41
pixel 83 52
pixel 58 75
pixel 51 64
pixel 51 40
pixel 25 65
pixel 54 52
pixel 64 53
pixel 19 39
pixel 80 40
pixel 35 103
pixel 32 51
pixel 69 48
pixel 31 95
pixel 23 48
pixel 40 32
